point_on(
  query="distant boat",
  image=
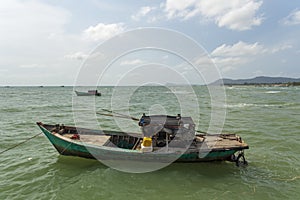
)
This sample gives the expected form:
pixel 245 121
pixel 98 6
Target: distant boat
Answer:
pixel 175 133
pixel 89 93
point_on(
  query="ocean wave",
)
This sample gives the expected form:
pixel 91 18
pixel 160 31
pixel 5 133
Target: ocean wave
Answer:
pixel 11 110
pixel 244 105
pixel 177 92
pixel 272 92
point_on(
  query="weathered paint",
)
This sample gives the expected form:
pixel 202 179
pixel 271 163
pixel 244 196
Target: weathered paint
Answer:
pixel 75 148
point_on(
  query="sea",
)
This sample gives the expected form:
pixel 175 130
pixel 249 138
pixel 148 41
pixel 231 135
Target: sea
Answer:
pixel 267 119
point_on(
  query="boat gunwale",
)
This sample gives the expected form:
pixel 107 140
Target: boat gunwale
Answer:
pixel 117 149
pixel 88 145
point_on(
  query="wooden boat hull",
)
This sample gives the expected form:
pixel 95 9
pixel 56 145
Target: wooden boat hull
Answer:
pixel 66 146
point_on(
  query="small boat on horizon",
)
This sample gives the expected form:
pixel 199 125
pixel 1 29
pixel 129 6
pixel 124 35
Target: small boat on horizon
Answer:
pixel 89 93
pixel 163 138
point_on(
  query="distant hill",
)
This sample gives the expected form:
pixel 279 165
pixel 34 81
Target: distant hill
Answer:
pixel 256 80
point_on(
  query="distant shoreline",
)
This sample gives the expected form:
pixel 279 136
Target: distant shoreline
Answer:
pixel 293 84
pixel 260 81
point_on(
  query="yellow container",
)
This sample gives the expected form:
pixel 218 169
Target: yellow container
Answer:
pixel 147 142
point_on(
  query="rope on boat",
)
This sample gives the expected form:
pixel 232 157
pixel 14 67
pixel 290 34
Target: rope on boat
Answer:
pixel 120 114
pixel 66 148
pixel 199 131
pixel 115 114
pixel 12 147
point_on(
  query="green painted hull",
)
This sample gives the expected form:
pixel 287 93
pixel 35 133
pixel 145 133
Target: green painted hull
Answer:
pixel 77 148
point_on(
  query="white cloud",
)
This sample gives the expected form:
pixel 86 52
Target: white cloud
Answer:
pixel 258 73
pixel 165 57
pixel 229 63
pixel 131 62
pixel 235 14
pixel 175 8
pixel 31 66
pixel 228 57
pixel 280 47
pixel 242 18
pixel 142 12
pixel 33 40
pixel 103 31
pixel 29 31
pixel 292 19
pixel 238 49
pixel 31 18
pixel 76 56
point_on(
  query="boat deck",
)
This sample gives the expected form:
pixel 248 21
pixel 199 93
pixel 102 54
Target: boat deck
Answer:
pixel 221 141
pixel 211 141
pixel 98 140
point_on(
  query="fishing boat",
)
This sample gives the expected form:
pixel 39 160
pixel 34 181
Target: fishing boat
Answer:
pixel 89 93
pixel 163 138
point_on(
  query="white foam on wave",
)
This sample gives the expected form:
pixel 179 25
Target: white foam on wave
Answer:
pixel 239 105
pixel 177 92
pixel 244 105
pixel 272 92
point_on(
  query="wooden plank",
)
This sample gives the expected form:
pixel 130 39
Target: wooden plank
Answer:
pixel 99 140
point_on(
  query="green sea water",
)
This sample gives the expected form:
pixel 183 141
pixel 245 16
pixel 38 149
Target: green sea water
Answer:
pixel 267 118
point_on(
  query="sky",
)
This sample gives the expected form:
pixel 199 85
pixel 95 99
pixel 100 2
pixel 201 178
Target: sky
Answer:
pixel 46 42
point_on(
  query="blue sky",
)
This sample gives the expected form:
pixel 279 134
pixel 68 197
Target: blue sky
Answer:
pixel 45 42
